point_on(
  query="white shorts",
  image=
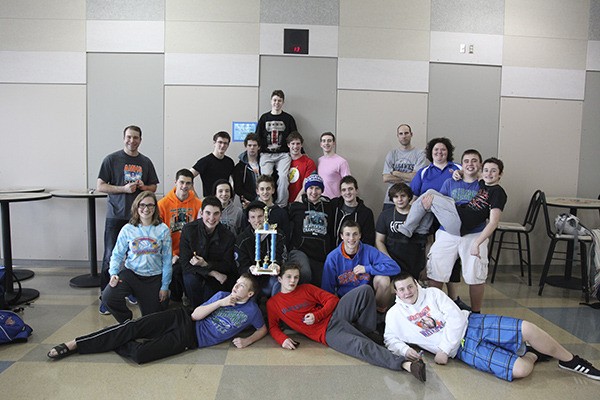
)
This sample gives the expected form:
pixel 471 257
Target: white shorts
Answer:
pixel 447 248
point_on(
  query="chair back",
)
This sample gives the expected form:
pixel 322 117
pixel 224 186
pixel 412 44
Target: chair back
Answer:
pixel 549 226
pixel 533 210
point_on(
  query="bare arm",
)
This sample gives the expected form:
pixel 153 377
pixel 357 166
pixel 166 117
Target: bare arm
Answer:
pixel 489 229
pixel 203 311
pixel 104 187
pixel 399 177
pixel 196 173
pixel 240 342
pixel 380 243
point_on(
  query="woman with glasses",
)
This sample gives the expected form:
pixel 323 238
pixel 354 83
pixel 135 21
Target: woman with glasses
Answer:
pixel 140 264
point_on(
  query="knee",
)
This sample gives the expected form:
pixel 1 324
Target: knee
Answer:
pixel 381 283
pixel 522 368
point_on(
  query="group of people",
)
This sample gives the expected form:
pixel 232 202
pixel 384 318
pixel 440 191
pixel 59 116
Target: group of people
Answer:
pixel 337 272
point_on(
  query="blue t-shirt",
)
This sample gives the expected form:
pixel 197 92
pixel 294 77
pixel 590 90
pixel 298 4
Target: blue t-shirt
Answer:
pixel 462 193
pixel 227 322
pixel 431 177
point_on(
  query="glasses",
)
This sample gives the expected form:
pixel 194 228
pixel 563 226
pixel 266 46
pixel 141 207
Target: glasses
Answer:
pixel 148 206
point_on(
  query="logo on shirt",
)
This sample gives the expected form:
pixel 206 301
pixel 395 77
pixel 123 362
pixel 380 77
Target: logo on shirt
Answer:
pixel 144 245
pixel 132 173
pixel 227 318
pixel 315 223
pixel 427 324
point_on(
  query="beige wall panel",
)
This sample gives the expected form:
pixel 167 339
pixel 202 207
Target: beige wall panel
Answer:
pixel 42 35
pixel 593 55
pixel 405 14
pixel 211 69
pixel 43 9
pixel 366 131
pixel 547 18
pixel 212 37
pixel 522 51
pixel 322 40
pixel 193 115
pixel 534 135
pixel 45 125
pixel 210 10
pixel 445 47
pixel 394 44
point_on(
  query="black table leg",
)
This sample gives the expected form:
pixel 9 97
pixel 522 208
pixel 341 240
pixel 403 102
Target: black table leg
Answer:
pixel 92 279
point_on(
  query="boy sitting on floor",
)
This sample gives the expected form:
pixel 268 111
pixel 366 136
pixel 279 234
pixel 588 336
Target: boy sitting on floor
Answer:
pixel 497 344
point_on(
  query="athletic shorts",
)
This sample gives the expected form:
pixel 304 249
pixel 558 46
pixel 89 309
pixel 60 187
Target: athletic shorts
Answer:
pixel 492 344
pixel 447 248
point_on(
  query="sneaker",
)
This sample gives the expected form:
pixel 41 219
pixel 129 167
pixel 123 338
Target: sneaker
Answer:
pixel 131 299
pixel 103 309
pixel 417 369
pixel 581 366
pixel 541 356
pixel 461 304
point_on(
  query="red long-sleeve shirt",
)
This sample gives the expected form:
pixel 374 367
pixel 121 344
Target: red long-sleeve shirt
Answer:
pixel 292 307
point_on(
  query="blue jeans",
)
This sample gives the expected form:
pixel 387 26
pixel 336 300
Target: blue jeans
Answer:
pixel 112 227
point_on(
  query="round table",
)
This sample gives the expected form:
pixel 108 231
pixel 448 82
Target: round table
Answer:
pixel 22 274
pixel 92 279
pixel 573 204
pixel 27 295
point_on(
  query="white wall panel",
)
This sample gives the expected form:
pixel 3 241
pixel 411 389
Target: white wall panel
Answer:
pixel 42 67
pixel 593 55
pixel 211 69
pixel 543 83
pixel 445 47
pixel 403 76
pixel 125 36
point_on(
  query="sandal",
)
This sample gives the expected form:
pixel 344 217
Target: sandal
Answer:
pixel 61 352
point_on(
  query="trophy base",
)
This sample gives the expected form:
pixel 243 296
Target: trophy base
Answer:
pixel 265 271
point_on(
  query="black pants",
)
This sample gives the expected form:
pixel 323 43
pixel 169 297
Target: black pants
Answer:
pixel 146 339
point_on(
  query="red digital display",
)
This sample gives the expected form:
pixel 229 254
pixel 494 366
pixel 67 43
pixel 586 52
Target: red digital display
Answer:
pixel 295 41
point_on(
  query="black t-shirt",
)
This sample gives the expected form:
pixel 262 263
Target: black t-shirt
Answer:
pixel 477 211
pixel 211 169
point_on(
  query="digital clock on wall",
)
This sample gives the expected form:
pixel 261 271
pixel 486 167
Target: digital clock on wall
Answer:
pixel 295 41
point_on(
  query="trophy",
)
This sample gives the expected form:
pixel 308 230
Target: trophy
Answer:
pixel 268 265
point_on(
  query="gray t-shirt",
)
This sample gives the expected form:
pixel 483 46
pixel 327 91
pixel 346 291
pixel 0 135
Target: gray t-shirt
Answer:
pixel 117 169
pixel 403 161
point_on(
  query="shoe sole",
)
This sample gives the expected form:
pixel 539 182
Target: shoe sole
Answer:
pixel 594 377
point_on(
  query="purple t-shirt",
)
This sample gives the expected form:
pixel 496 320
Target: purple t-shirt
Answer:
pixel 227 322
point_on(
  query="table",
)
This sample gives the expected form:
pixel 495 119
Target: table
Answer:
pixel 92 279
pixel 22 274
pixel 573 204
pixel 5 200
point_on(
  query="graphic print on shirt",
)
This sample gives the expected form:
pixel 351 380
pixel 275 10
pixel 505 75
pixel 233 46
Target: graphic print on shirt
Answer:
pixel 132 173
pixel 404 165
pixel 427 324
pixel 481 201
pixel 179 217
pixel 294 175
pixel 315 223
pixel 274 128
pixel 349 276
pixel 462 195
pixel 144 245
pixel 226 318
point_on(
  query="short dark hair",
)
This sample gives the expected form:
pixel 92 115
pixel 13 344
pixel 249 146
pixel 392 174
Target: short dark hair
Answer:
pixel 250 136
pixel 254 285
pixel 133 128
pixel 289 266
pixel 400 277
pixel 211 201
pixel 497 161
pixel 400 188
pixel 184 172
pixel 349 179
pixel 471 151
pixel 222 135
pixel 222 182
pixel 254 205
pixel 443 140
pixel 295 135
pixel 266 178
pixel 278 93
pixel 327 134
pixel 350 223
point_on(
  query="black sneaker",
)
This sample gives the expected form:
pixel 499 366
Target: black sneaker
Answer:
pixel 461 304
pixel 581 366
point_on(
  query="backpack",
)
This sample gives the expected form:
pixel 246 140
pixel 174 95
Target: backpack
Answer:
pixel 567 224
pixel 594 266
pixel 3 301
pixel 12 328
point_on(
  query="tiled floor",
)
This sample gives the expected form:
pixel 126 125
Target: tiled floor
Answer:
pixel 265 371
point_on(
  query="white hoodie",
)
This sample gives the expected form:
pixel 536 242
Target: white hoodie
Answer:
pixel 433 323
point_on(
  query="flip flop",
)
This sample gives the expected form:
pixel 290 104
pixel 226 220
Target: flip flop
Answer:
pixel 61 352
pixel 417 369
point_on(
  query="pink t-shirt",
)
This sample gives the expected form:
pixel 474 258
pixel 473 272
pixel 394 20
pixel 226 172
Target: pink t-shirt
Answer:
pixel 332 169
